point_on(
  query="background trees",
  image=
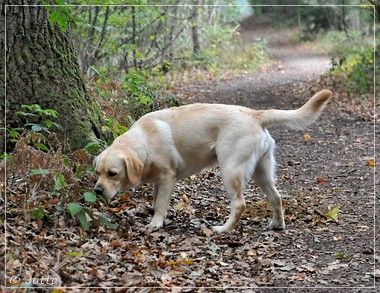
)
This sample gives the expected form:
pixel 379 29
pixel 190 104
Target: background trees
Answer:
pixel 146 36
pixel 313 15
pixel 125 50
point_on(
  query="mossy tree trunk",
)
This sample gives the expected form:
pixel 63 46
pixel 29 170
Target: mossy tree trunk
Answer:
pixel 42 68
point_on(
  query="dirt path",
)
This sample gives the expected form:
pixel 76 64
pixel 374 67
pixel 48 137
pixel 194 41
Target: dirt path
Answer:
pixel 316 176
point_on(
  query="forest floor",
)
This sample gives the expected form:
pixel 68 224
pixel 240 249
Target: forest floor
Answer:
pixel 332 170
pixel 324 175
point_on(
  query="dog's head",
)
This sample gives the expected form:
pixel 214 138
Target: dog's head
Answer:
pixel 118 169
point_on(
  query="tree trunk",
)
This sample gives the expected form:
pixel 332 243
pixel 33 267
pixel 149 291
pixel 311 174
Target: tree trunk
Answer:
pixel 194 28
pixel 42 68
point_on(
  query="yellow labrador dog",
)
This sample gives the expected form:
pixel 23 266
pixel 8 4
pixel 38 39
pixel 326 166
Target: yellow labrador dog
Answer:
pixel 174 143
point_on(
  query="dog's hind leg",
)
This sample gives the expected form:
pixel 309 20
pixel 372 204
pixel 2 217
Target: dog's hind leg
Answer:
pixel 233 179
pixel 264 177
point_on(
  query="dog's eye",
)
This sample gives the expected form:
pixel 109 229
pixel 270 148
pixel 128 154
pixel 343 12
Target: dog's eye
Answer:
pixel 111 174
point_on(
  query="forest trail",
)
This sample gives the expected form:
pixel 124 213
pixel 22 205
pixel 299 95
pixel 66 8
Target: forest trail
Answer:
pixel 292 64
pixel 320 170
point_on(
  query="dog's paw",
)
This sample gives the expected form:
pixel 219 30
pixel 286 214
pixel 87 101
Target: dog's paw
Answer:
pixel 220 229
pixel 156 223
pixel 277 225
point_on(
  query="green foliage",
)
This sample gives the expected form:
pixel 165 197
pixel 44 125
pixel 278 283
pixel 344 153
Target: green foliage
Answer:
pixel 59 13
pixel 357 70
pixel 86 216
pixel 35 111
pixel 38 121
pixel 338 43
pixel 140 91
pixel 225 52
pixel 39 213
pixel 115 127
pixel 94 147
pixel 126 97
pixel 145 36
pixel 353 59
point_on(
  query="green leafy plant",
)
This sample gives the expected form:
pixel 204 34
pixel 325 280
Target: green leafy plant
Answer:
pixel 115 127
pixel 126 97
pixel 94 147
pixel 86 216
pixel 224 52
pixel 358 70
pixel 39 213
pixel 60 13
pixel 35 111
pixel 38 121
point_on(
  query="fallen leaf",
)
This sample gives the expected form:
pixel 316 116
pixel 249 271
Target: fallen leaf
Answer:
pixel 180 206
pixel 320 180
pixel 183 255
pixel 208 232
pixel 115 210
pixel 307 137
pixel 250 253
pixel 185 199
pixel 116 243
pixel 124 197
pixel 339 238
pixel 309 267
pixel 333 214
pixel 188 261
pixel 371 163
pixel 131 279
pixel 74 253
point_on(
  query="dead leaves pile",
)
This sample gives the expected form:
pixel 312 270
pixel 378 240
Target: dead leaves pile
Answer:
pixel 185 253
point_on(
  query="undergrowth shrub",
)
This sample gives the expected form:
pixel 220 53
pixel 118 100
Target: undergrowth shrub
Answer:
pixel 225 52
pixel 353 67
pixel 44 182
pixel 339 43
pixel 124 98
pixel 357 69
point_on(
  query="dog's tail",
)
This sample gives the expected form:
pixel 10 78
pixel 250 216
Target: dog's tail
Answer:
pixel 297 119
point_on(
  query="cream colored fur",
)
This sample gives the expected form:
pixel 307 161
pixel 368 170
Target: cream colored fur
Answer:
pixel 174 143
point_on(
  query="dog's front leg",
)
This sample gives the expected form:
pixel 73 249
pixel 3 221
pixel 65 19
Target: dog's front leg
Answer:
pixel 161 196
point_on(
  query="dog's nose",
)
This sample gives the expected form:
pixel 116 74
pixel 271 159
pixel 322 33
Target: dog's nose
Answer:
pixel 98 190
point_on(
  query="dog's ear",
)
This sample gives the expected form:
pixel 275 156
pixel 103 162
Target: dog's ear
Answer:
pixel 134 169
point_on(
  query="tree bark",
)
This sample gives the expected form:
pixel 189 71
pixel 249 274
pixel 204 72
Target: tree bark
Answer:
pixel 42 68
pixel 195 29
